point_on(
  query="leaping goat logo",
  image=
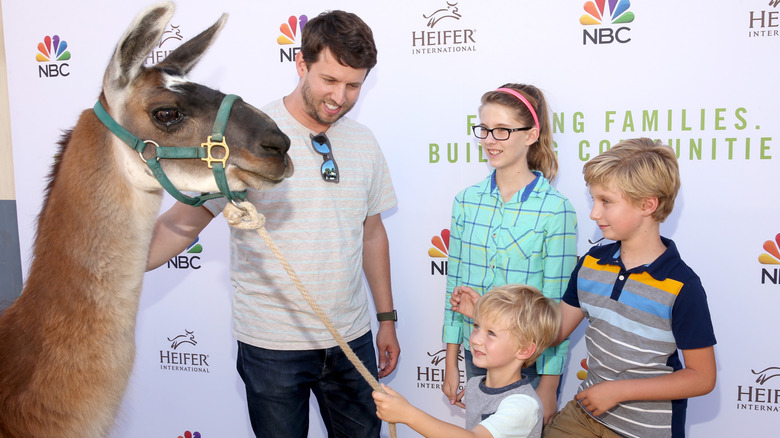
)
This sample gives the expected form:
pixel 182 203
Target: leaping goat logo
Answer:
pixel 171 33
pixel 187 338
pixel 766 374
pixel 440 355
pixel 451 11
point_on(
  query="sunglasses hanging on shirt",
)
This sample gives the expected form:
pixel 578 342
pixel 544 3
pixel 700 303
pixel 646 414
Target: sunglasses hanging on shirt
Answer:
pixel 329 170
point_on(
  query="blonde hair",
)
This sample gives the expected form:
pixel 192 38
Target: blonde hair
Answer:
pixel 640 168
pixel 533 317
pixel 541 155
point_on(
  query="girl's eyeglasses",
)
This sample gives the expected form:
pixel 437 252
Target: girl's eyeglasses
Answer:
pixel 499 134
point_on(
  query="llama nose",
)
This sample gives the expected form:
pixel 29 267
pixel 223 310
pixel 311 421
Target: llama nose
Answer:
pixel 276 141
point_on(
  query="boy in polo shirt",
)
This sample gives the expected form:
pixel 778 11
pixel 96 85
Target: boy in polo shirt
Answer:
pixel 642 302
pixel 513 324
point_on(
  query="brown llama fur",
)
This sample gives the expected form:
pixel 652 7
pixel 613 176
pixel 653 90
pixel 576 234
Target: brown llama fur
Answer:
pixel 67 343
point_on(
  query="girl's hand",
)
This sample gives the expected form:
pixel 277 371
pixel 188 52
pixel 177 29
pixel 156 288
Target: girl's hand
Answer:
pixel 451 385
pixel 463 300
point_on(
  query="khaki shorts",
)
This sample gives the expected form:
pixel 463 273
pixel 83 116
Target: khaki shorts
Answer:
pixel 572 421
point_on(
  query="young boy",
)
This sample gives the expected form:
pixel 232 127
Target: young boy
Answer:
pixel 642 303
pixel 513 324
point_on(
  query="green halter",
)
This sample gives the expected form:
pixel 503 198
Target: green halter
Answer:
pixel 217 165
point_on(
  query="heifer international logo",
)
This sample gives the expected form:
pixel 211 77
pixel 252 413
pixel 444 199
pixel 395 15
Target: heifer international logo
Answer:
pixel 171 38
pixel 187 338
pixel 52 51
pixel 431 375
pixel 771 257
pixel 761 397
pixel 442 39
pixel 288 39
pixel 171 359
pixel 450 11
pixel 440 250
pixel 764 23
pixel 600 13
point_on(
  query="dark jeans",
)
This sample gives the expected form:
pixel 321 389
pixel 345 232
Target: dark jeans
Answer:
pixel 278 383
pixel 473 370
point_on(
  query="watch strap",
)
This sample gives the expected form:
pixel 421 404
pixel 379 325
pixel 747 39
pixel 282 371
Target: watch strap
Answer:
pixel 387 316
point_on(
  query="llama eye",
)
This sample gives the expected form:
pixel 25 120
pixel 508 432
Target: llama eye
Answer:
pixel 168 116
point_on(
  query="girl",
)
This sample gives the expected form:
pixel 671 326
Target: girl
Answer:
pixel 512 227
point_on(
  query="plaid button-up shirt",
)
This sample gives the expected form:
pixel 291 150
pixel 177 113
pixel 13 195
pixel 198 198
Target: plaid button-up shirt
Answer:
pixel 532 239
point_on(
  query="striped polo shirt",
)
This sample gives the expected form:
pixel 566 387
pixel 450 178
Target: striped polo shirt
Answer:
pixel 318 226
pixel 638 319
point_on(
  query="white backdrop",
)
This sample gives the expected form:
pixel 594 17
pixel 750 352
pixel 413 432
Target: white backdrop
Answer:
pixel 699 75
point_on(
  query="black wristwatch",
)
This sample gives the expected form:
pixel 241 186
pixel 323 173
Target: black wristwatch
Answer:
pixel 387 316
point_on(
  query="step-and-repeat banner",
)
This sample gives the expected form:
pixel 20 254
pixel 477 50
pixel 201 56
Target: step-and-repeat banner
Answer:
pixel 701 76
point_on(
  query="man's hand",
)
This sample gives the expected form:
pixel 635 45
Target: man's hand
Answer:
pixel 389 349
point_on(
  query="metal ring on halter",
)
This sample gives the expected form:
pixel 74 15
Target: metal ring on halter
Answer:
pixel 233 201
pixel 141 153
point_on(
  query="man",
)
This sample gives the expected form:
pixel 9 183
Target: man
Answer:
pixel 326 220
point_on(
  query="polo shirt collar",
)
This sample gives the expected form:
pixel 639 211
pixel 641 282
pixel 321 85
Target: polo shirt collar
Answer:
pixel 659 269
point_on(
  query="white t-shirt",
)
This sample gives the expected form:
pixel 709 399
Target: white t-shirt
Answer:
pixel 318 226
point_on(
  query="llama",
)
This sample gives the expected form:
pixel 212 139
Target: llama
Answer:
pixel 67 343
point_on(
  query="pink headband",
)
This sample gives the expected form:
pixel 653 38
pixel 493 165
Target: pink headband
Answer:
pixel 525 101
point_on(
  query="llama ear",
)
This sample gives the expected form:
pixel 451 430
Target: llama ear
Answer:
pixel 142 35
pixel 184 58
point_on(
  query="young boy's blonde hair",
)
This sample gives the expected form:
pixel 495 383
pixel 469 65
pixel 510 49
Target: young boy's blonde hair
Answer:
pixel 533 317
pixel 640 168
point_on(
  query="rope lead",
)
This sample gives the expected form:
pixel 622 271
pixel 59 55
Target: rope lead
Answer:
pixel 244 215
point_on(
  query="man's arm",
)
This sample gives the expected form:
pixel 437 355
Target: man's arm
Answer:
pixel 174 230
pixel 697 378
pixel 376 266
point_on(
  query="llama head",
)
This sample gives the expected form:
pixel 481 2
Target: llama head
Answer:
pixel 159 103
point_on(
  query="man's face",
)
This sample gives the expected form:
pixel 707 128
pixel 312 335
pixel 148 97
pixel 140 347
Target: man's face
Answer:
pixel 329 89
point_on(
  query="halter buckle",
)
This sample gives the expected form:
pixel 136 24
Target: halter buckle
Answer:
pixel 209 158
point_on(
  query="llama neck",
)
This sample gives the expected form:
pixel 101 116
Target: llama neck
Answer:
pixel 94 230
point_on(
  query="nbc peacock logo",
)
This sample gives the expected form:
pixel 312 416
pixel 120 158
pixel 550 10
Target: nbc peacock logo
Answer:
pixel 52 52
pixel 289 36
pixel 603 13
pixel 189 259
pixel 614 12
pixel 583 373
pixel 770 257
pixel 439 250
